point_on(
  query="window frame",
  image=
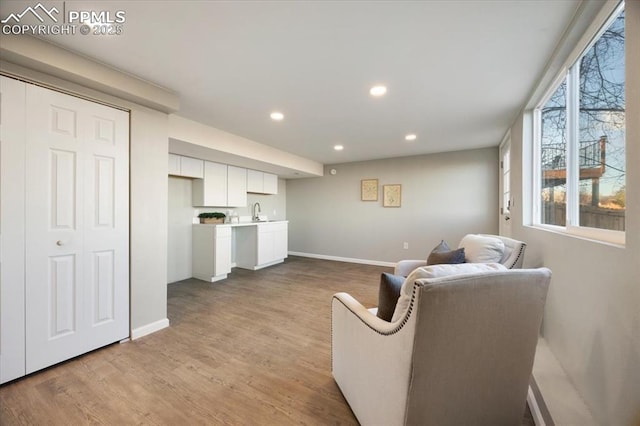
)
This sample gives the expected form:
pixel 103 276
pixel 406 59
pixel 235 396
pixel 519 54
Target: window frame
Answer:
pixel 505 176
pixel 569 72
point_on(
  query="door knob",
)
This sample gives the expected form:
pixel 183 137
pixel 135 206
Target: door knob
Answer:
pixel 59 243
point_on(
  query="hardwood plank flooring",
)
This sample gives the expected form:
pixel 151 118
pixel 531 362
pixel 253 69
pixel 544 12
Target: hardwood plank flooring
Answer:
pixel 254 349
pixel 250 350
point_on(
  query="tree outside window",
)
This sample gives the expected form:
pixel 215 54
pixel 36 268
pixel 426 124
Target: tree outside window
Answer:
pixel 582 125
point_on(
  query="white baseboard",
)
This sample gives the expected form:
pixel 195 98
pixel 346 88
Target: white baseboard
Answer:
pixel 139 332
pixel 534 408
pixel 344 259
pixel 559 401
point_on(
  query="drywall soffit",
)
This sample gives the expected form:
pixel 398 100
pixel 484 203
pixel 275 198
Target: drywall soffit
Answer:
pixel 48 58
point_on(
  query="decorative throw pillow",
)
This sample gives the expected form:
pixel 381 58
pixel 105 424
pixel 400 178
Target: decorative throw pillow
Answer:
pixel 443 254
pixel 435 271
pixel 482 248
pixel 388 294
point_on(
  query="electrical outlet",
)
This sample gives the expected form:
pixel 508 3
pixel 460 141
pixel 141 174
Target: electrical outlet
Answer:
pixel 405 245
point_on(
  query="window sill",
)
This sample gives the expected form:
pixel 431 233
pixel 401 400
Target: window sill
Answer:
pixel 599 236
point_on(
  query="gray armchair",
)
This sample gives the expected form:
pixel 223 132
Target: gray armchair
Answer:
pixel 462 353
pixel 512 258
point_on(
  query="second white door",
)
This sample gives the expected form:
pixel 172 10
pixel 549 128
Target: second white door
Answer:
pixel 77 226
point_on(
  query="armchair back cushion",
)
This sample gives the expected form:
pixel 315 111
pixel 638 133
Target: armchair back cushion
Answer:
pixel 512 257
pixel 436 271
pixel 482 248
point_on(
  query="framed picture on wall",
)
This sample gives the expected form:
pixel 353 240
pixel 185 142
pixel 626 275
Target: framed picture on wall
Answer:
pixel 369 190
pixel 392 195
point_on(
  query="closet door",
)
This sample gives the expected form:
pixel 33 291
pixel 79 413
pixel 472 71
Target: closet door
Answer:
pixel 77 226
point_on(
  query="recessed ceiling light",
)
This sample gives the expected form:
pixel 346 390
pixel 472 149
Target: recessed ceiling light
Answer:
pixel 378 90
pixel 277 116
pixel 410 137
pixel 338 147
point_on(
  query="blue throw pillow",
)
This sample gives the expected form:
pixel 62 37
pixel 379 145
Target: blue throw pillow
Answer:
pixel 388 295
pixel 443 254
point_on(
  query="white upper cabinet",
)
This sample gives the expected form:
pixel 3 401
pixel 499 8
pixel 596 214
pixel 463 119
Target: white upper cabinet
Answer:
pixel 262 183
pixel 270 183
pixel 255 181
pixel 221 186
pixel 192 167
pixel 186 166
pixel 212 189
pixel 174 164
pixel 236 186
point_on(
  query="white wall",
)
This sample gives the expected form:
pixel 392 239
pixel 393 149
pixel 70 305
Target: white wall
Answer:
pixel 444 196
pixel 180 218
pixel 148 234
pixel 592 314
pixel 181 213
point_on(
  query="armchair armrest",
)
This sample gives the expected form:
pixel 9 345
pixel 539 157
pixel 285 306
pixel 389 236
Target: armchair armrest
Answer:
pixel 366 316
pixel 371 360
pixel 405 267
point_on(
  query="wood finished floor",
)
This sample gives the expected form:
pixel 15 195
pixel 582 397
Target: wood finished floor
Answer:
pixel 251 350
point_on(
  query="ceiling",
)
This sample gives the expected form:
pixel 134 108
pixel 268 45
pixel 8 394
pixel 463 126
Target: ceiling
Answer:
pixel 457 72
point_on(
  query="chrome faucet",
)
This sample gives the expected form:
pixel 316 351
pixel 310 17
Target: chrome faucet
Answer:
pixel 256 215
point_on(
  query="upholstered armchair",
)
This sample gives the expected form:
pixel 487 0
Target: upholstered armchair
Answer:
pixel 461 353
pixel 512 258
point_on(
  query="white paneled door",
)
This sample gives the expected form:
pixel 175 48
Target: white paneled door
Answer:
pixel 77 226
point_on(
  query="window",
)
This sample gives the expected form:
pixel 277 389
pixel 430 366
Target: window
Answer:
pixel 580 143
pixel 505 164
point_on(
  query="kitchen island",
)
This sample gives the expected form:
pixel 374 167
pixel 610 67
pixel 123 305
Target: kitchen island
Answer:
pixel 248 245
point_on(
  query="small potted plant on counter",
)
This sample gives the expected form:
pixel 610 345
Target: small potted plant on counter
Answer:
pixel 215 217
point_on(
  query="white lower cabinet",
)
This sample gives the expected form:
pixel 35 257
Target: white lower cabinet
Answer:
pixel 247 246
pixel 272 243
pixel 211 252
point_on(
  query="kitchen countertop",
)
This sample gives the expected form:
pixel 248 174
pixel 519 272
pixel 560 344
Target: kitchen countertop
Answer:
pixel 233 225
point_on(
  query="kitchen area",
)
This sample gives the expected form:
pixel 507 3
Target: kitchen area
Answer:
pixel 253 234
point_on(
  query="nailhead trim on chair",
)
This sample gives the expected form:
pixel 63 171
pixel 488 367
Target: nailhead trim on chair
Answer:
pixel 395 330
pixel 522 247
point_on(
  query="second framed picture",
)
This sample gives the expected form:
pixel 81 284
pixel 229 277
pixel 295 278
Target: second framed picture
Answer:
pixel 392 195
